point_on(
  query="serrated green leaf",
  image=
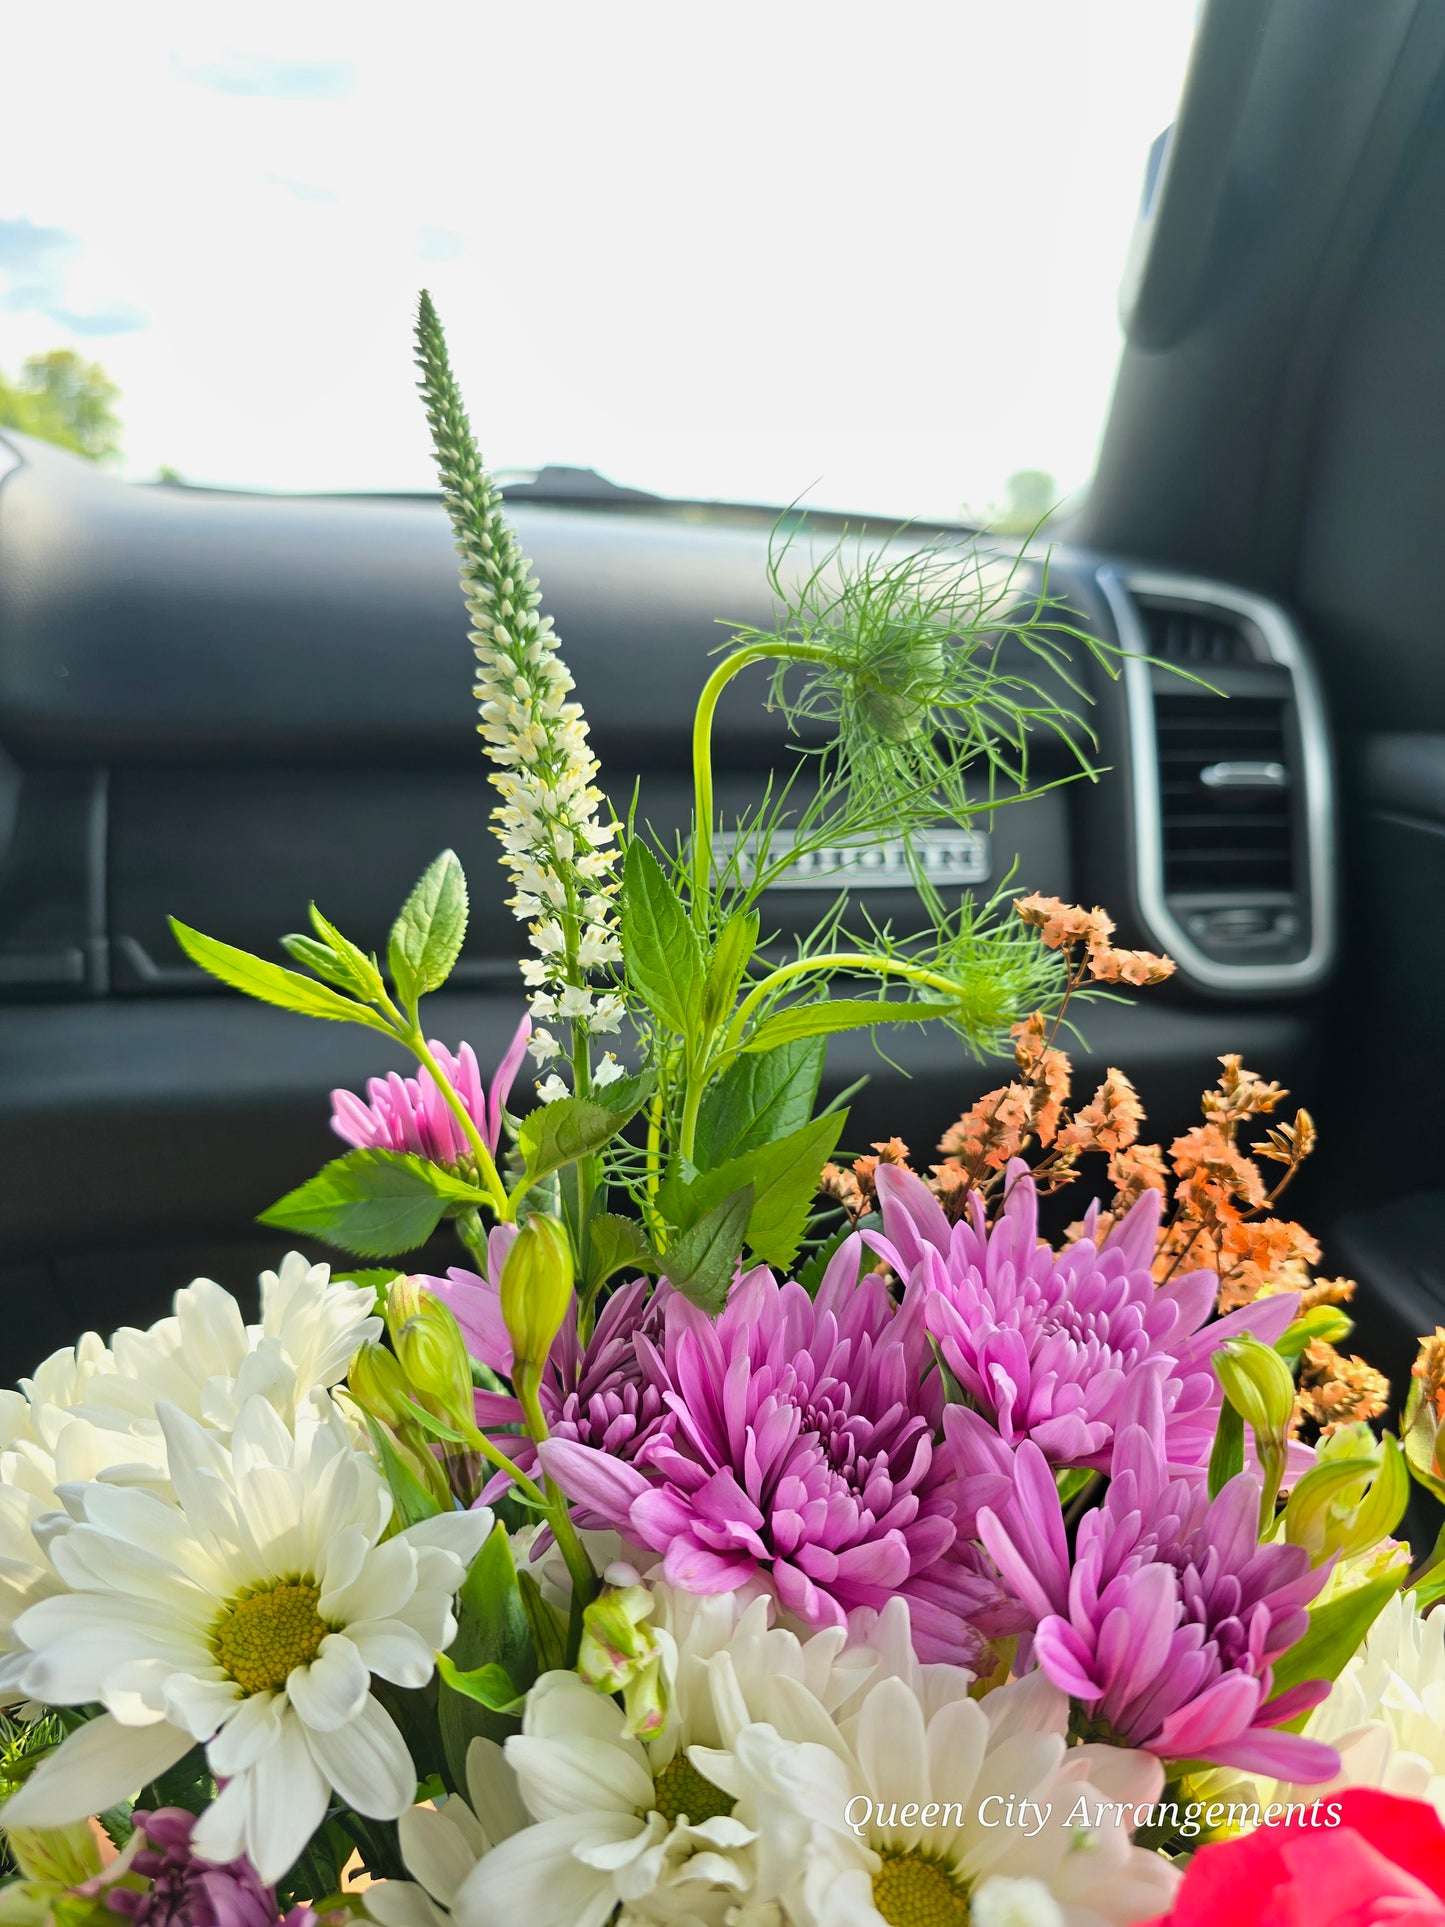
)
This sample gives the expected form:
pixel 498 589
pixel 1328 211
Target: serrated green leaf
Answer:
pixel 660 949
pixel 379 1279
pixel 492 1629
pixel 784 1177
pixel 615 1244
pixel 489 1685
pixel 558 1134
pixel 842 1013
pixel 377 1204
pixel 760 1099
pixel 730 958
pixel 702 1261
pixel 1336 1632
pixel 427 937
pixel 268 982
pixel 349 957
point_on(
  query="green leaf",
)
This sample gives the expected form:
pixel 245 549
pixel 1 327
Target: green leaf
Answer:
pixel 1336 1631
pixel 1227 1458
pixel 822 1019
pixel 573 1127
pixel 549 1629
pixel 615 1244
pixel 784 1177
pixel 412 1500
pixel 489 1685
pixel 492 1629
pixel 269 982
pixel 660 948
pixel 730 958
pixel 377 1280
pixel 426 938
pixel 350 967
pixel 810 1276
pixel 759 1100
pixel 702 1261
pixel 376 1204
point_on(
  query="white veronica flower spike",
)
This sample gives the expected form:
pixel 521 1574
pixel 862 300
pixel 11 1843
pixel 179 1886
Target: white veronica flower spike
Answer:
pixel 249 1615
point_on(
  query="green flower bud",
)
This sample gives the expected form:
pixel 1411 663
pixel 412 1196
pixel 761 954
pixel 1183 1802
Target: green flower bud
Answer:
pixel 536 1293
pixel 620 1653
pixel 431 1352
pixel 1323 1321
pixel 58 1856
pixel 1422 1432
pixel 378 1384
pixel 1259 1385
pixel 1351 1499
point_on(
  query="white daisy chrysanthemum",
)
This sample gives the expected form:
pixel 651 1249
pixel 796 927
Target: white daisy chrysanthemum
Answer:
pixel 89 1411
pixel 883 1815
pixel 248 1612
pixel 583 1818
pixel 1386 1712
pixel 441 1844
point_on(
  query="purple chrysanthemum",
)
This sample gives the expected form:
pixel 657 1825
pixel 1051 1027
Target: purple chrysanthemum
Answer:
pixel 410 1113
pixel 1166 1623
pixel 597 1394
pixel 187 1892
pixel 796 1453
pixel 1045 1343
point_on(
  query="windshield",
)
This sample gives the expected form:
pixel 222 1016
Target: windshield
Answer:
pixel 741 253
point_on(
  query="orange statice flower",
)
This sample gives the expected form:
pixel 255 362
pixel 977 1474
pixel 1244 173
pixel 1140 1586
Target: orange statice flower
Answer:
pixel 1110 1122
pixel 1064 926
pixel 1336 1390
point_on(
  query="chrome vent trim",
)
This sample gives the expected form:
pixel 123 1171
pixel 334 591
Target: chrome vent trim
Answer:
pixel 1278 643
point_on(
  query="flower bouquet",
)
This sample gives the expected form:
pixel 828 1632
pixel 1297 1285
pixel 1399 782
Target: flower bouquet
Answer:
pixel 739 1533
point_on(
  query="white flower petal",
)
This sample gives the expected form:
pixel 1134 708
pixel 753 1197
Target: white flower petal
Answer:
pixel 577 1776
pixel 394 1651
pixel 401 1903
pixel 367 1763
pixel 534 1878
pixel 333 1688
pixel 100 1764
pixel 436 1851
pixel 285 1802
pixel 253 1728
pixel 492 1786
pixel 385 1583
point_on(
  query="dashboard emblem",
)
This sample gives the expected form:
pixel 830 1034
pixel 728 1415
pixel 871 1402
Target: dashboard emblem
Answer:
pixel 949 859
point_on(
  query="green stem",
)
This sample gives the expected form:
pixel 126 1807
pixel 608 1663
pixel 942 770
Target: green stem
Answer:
pixel 693 1089
pixel 579 1566
pixel 702 792
pixel 486 1167
pixel 856 960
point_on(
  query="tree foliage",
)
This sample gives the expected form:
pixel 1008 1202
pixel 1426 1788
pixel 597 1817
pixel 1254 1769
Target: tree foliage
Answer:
pixel 62 398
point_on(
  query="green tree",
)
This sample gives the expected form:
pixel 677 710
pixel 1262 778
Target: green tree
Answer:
pixel 64 399
pixel 1030 496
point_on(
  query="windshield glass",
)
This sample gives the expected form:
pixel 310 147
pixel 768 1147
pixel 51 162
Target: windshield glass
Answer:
pixel 743 253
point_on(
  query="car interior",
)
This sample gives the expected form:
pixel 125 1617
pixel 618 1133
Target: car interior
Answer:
pixel 209 699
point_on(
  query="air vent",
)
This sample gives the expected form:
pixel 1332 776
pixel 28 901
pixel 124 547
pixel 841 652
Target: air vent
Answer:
pixel 1195 638
pixel 1233 821
pixel 1226 801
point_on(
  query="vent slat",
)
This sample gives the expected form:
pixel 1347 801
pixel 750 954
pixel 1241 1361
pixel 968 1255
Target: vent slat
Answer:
pixel 1194 638
pixel 1217 836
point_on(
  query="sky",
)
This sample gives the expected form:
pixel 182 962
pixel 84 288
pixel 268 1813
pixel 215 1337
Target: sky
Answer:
pixel 745 252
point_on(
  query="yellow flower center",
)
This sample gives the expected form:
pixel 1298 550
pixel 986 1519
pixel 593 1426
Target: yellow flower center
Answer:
pixel 680 1792
pixel 267 1632
pixel 913 1889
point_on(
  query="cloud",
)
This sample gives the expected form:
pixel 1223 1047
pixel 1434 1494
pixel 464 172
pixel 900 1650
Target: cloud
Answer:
pixel 440 244
pixel 304 190
pixel 258 77
pixel 35 266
